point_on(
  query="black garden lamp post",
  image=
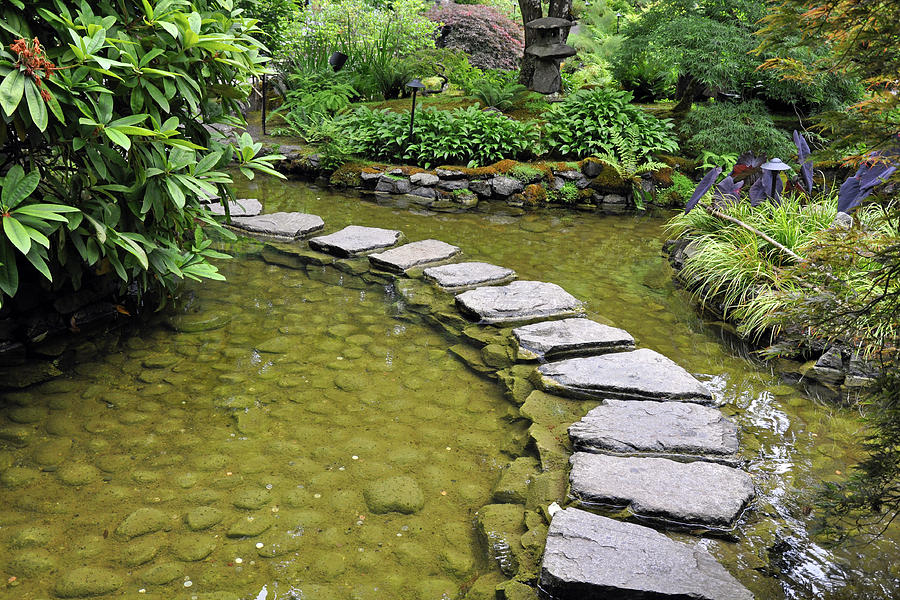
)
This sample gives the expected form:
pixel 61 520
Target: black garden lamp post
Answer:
pixel 415 85
pixel 337 60
pixel 618 18
pixel 772 168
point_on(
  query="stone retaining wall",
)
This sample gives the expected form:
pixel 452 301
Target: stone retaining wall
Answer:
pixel 589 184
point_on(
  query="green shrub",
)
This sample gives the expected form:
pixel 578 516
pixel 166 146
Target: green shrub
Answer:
pixel 741 271
pixel 584 125
pixel 458 136
pixel 567 194
pixel 733 127
pixel 106 150
pixel 526 173
pixel 501 97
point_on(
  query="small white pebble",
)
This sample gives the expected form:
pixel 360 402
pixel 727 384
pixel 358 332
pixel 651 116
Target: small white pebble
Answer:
pixel 259 544
pixel 238 560
pixel 399 535
pixel 268 486
pixel 142 591
pixel 448 447
pixel 340 468
pixel 355 457
pixel 340 358
pixel 188 583
pixel 317 495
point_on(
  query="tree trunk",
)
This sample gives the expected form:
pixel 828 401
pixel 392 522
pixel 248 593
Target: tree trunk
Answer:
pixel 689 90
pixel 531 10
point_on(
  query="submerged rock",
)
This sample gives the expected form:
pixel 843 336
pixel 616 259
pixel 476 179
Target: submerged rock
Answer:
pixel 518 301
pixel 554 339
pixel 682 429
pixel 353 240
pixel 589 556
pixel 696 493
pixel 203 517
pixel 141 522
pixel 396 494
pixel 461 276
pixel 85 582
pixel 416 254
pixel 638 375
pixel 515 479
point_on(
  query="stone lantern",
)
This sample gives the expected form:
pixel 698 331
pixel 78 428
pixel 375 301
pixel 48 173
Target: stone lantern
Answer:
pixel 549 49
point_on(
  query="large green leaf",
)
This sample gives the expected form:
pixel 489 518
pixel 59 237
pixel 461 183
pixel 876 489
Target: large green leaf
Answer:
pixel 11 90
pixel 117 137
pixel 18 186
pixel 16 233
pixel 36 106
pixel 9 274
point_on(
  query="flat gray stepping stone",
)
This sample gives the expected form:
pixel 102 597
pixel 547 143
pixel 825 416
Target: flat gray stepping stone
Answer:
pixel 695 493
pixel 589 556
pixel 638 375
pixel 461 276
pixel 518 301
pixel 416 254
pixel 353 240
pixel 242 207
pixel 554 339
pixel 674 429
pixel 284 225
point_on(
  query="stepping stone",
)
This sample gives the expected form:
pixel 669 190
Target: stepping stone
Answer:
pixel 554 339
pixel 638 375
pixel 671 429
pixel 693 494
pixel 284 225
pixel 518 301
pixel 354 240
pixel 416 254
pixel 243 207
pixel 589 556
pixel 462 276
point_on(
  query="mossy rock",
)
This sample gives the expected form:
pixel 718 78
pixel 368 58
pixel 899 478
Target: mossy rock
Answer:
pixel 534 195
pixel 472 358
pixel 162 573
pixel 395 494
pixel 17 477
pixel 31 537
pixel 485 587
pixel 31 563
pixel 517 381
pixel 545 488
pixel 203 517
pixel 515 590
pixel 679 163
pixel 497 355
pixel 347 175
pixel 513 484
pixel 662 177
pixel 140 552
pixel 552 446
pixel 250 526
pixel 198 322
pixel 484 335
pixel 457 563
pixel 193 547
pixel 610 181
pixel 85 582
pixel 554 411
pixel 501 527
pixel 251 498
pixel 141 522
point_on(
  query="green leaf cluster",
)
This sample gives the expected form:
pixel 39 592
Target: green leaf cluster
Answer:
pixel 732 127
pixel 460 136
pixel 587 122
pixel 108 174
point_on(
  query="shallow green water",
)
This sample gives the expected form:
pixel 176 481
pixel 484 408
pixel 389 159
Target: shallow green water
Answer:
pixel 316 388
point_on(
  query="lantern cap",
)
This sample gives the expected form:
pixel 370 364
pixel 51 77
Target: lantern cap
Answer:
pixel 416 84
pixel 776 164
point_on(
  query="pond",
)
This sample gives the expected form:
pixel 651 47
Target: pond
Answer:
pixel 242 454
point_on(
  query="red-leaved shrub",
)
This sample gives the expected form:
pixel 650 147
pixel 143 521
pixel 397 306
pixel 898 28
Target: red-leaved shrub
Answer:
pixel 492 40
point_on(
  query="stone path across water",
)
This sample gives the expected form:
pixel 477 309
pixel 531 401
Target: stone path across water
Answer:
pixel 692 494
pixel 354 240
pixel 243 207
pixel 638 375
pixel 681 430
pixel 519 301
pixel 585 555
pixel 287 226
pixel 556 339
pixel 589 556
pixel 466 275
pixel 416 254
